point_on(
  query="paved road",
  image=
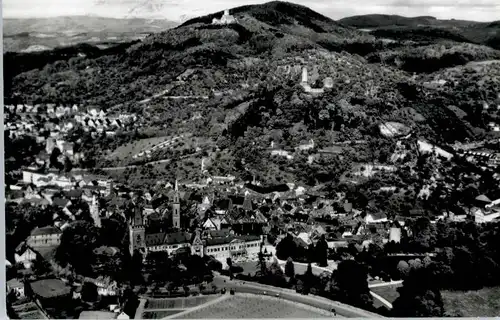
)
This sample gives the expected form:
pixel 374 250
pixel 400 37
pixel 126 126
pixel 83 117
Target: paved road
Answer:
pixel 288 294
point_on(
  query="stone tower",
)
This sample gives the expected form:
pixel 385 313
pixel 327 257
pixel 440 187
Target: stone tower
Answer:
pixel 176 209
pixel 304 75
pixel 94 211
pixel 137 232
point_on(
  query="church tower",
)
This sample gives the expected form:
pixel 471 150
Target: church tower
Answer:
pixel 137 232
pixel 176 209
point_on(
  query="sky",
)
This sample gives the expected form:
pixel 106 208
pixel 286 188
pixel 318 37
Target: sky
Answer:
pixel 175 10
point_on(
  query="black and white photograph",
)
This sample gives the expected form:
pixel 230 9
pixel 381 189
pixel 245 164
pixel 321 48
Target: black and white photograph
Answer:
pixel 251 159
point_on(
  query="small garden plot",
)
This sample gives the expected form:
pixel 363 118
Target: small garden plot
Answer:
pixel 31 315
pixel 158 314
pixel 161 304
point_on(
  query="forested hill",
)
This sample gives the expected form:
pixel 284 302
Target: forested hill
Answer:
pixel 415 28
pixel 250 72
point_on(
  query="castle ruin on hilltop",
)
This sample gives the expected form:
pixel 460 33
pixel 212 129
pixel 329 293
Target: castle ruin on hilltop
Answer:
pixel 225 19
pixel 327 83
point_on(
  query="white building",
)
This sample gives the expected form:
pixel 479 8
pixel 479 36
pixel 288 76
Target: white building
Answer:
pixel 233 247
pixel 225 19
pixel 44 237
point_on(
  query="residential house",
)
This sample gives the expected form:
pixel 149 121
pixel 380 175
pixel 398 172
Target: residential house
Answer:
pixel 488 215
pixel 16 286
pixel 122 316
pixel 378 217
pixel 214 223
pixel 44 237
pixel 25 255
pixel 105 286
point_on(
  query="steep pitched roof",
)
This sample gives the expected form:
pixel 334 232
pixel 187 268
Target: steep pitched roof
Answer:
pixel 247 204
pixel 75 193
pixel 60 202
pixel 155 239
pixel 483 198
pixel 177 238
pixel 216 233
pixel 45 231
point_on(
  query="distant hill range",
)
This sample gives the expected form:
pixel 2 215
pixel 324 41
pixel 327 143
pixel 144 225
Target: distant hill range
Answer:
pixel 37 34
pixel 427 28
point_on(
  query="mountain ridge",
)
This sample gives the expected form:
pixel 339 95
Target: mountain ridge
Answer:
pixel 401 27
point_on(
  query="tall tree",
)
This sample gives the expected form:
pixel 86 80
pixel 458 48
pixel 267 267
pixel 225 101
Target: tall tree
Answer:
pixel 286 248
pixel 322 252
pixel 68 165
pixel 419 296
pixel 89 292
pixel 289 268
pixel 78 241
pixel 351 280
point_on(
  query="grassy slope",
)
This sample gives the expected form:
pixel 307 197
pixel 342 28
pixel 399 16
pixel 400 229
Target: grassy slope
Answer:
pixel 481 303
pixel 389 293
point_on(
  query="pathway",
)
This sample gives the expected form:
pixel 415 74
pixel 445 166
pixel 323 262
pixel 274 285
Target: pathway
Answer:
pixel 140 309
pixel 42 311
pixel 384 284
pixel 379 298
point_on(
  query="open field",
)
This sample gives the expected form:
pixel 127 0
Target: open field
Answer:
pixel 128 150
pixel 178 303
pixel 247 306
pixel 389 293
pixel 481 303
